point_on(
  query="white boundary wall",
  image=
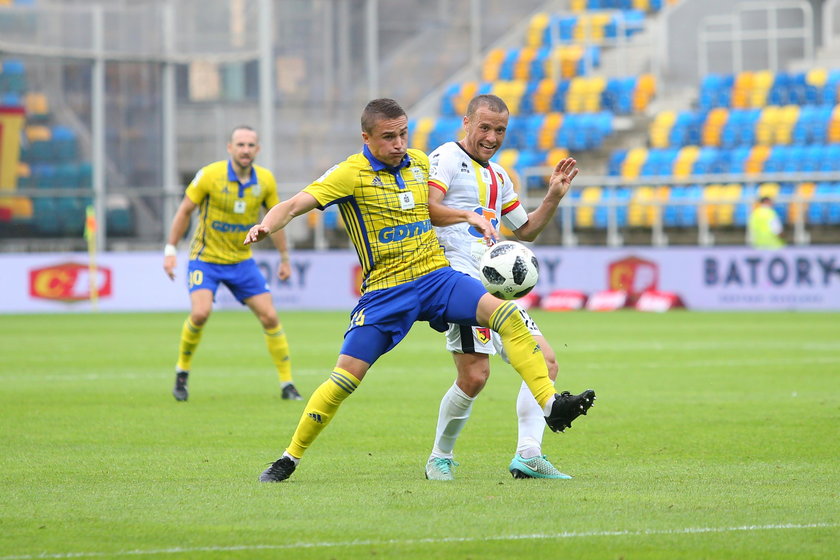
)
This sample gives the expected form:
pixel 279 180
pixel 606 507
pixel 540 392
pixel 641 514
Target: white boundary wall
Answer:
pixel 704 278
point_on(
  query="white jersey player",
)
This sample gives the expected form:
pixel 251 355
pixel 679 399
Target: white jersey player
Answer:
pixel 463 183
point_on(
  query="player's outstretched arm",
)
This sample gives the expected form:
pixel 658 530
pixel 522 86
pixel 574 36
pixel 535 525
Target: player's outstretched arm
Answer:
pixel 558 185
pixel 180 222
pixel 280 215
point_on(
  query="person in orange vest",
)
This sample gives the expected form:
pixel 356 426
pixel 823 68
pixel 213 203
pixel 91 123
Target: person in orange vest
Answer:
pixel 765 228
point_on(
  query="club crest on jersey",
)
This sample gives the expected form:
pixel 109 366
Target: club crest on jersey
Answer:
pixel 255 189
pixel 482 334
pixel 485 174
pixel 419 176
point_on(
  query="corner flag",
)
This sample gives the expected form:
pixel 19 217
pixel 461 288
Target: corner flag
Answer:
pixel 90 236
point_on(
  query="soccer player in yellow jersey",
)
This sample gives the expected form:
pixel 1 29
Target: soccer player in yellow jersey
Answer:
pixel 383 197
pixel 229 195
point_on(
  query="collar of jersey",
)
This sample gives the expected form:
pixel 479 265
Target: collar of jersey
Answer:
pixel 480 162
pixel 379 166
pixel 252 180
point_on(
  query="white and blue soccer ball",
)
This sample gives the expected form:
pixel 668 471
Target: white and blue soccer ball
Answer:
pixel 509 270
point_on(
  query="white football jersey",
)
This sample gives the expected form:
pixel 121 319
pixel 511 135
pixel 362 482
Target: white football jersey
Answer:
pixel 468 185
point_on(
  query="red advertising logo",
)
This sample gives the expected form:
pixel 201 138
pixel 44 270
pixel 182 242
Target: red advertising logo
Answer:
pixel 67 282
pixel 633 275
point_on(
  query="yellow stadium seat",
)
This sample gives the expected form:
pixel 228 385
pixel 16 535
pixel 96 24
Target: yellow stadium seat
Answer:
pixel 755 161
pixel 507 158
pixel 644 92
pixel 660 129
pixel 468 91
pixel 788 116
pixel 536 29
pixel 36 103
pixel 729 194
pixel 548 132
pixel 420 139
pixel 741 90
pixel 762 82
pixel 768 189
pixel 543 95
pixel 817 77
pixel 593 89
pixel 637 209
pixel 713 126
pixel 554 155
pixel 585 215
pixel 522 66
pixel 684 164
pixel 798 210
pixel 765 128
pixel 37 132
pixel 492 64
pixel 711 194
pixel 633 162
pixel 834 126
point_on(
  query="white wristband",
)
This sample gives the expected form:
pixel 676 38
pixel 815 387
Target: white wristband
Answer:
pixel 170 250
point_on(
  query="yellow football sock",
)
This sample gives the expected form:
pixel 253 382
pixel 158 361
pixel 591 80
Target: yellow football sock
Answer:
pixel 320 409
pixel 190 337
pixel 278 347
pixel 523 351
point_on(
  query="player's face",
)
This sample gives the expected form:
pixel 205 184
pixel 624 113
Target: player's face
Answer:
pixel 243 148
pixel 485 132
pixel 388 141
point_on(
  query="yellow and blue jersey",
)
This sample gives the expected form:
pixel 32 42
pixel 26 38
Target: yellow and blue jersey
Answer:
pixel 227 210
pixel 386 215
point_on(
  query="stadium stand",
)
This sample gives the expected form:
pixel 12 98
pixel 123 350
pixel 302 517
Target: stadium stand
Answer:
pixel 50 159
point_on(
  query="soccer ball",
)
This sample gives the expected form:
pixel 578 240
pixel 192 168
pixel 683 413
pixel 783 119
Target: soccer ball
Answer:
pixel 509 270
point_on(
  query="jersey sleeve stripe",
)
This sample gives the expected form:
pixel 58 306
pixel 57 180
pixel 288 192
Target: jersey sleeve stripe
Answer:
pixel 438 186
pixel 512 205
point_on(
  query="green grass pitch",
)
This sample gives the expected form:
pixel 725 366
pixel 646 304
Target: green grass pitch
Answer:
pixel 714 436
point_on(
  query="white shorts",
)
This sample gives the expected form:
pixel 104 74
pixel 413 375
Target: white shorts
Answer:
pixel 481 340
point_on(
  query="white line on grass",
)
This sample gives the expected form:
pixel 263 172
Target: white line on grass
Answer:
pixel 446 540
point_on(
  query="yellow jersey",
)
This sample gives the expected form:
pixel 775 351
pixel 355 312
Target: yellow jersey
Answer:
pixel 386 214
pixel 227 210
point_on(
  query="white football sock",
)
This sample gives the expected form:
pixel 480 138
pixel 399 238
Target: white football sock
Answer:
pixel 455 408
pixel 531 424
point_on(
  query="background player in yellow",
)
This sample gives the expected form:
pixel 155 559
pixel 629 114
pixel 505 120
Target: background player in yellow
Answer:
pixel 382 193
pixel 229 195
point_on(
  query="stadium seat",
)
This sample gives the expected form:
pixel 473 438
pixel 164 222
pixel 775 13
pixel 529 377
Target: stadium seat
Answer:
pixel 660 129
pixel 798 210
pixel 585 214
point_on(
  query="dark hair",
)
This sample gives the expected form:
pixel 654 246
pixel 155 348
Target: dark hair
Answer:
pixel 379 109
pixel 492 102
pixel 241 127
pixel 764 199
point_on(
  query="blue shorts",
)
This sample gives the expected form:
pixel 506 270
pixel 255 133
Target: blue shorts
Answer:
pixel 243 279
pixel 382 318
